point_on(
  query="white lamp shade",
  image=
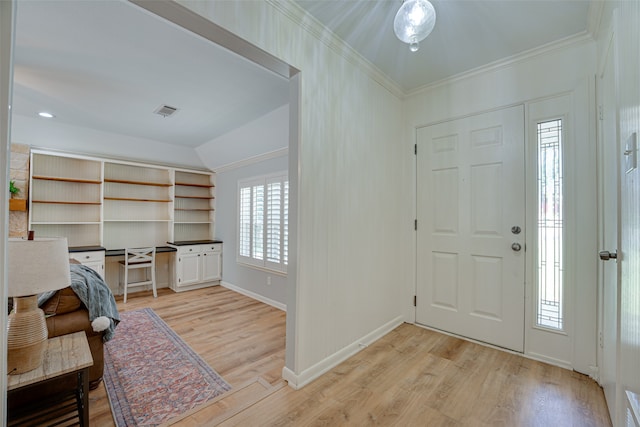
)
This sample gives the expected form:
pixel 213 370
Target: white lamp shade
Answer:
pixel 414 21
pixel 38 265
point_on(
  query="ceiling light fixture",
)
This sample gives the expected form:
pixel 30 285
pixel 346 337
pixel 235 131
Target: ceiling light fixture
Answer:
pixel 414 22
pixel 46 115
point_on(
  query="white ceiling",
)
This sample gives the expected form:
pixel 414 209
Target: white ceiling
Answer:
pixel 107 65
pixel 468 33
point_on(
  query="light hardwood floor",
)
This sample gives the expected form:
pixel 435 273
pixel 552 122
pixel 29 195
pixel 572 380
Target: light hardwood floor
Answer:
pixel 410 377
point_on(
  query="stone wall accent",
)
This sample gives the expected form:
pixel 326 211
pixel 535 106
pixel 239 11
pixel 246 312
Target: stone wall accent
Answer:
pixel 19 172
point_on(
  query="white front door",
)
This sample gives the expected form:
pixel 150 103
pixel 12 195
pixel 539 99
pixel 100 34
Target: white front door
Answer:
pixel 609 287
pixel 470 236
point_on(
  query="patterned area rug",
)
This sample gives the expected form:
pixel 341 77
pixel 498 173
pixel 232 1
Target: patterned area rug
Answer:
pixel 151 375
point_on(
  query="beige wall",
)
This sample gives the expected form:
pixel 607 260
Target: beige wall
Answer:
pixel 19 172
pixel 354 274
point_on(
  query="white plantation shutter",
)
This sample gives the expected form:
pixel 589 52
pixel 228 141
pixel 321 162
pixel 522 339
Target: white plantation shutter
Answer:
pixel 274 221
pixel 285 225
pixel 244 226
pixel 263 221
pixel 257 242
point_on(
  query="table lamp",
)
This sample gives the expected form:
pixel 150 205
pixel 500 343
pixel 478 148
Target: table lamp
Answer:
pixel 35 266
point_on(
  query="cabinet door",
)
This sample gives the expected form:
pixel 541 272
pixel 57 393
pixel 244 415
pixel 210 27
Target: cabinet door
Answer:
pixel 93 259
pixel 188 269
pixel 211 266
pixel 98 267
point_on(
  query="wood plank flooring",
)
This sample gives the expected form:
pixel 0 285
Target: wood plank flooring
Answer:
pixel 411 377
pixel 239 337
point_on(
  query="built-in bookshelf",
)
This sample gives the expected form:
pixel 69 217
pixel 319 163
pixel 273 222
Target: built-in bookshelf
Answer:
pixel 137 205
pixel 117 204
pixel 66 198
pixel 194 205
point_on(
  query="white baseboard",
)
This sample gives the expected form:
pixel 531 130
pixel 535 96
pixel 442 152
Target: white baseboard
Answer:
pixel 550 360
pixel 255 296
pixel 529 355
pixel 297 381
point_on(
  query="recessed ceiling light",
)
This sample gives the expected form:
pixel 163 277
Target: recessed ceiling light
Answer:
pixel 46 115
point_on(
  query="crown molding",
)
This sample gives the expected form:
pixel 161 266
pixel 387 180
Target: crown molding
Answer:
pixel 311 25
pixel 252 160
pixel 594 20
pixel 574 40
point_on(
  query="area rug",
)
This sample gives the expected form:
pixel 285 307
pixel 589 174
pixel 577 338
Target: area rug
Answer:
pixel 151 375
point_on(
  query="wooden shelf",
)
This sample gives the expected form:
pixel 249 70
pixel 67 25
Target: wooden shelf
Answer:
pixel 193 222
pixel 58 202
pixel 186 184
pixel 18 205
pixel 138 200
pixel 137 220
pixel 195 197
pixel 65 222
pixel 116 203
pixel 74 180
pixel 125 181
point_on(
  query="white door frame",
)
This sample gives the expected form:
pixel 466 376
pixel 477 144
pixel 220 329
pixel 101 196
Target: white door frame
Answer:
pixel 580 353
pixel 7 33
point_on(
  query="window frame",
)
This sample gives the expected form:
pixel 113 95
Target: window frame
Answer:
pixel 562 273
pixel 250 260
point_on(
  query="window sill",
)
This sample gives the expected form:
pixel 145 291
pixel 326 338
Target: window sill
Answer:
pixel 263 269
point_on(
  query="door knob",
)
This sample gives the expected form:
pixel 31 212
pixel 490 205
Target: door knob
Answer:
pixel 606 255
pixel 516 247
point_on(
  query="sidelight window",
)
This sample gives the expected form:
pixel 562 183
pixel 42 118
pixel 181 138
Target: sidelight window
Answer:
pixel 550 298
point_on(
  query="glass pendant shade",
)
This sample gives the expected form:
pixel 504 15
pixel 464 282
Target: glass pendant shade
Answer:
pixel 414 22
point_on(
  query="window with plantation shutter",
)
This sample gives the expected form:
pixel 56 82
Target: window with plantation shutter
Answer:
pixel 263 221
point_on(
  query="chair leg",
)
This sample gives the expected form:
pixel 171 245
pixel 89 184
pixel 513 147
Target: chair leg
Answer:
pixel 126 282
pixel 153 280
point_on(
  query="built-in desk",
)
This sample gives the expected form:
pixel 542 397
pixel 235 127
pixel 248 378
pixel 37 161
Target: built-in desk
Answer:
pixel 120 252
pixel 91 256
pixel 196 264
pixel 164 267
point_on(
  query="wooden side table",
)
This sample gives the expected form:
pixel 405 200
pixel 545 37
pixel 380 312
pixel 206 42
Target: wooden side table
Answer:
pixel 64 355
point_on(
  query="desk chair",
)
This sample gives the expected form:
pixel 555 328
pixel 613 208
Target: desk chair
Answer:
pixel 139 258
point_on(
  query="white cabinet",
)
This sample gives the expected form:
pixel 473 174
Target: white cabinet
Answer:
pixel 212 262
pixel 92 259
pixel 188 266
pixel 197 266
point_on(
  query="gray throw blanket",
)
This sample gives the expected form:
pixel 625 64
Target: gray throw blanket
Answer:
pixel 94 294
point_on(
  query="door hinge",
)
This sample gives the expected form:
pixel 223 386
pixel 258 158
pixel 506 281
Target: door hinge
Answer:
pixel 600 113
pixel 415 224
pixel 600 340
pixel 415 300
pixel 415 149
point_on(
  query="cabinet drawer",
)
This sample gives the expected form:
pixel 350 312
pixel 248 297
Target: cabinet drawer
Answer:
pixel 215 247
pixel 85 257
pixel 191 249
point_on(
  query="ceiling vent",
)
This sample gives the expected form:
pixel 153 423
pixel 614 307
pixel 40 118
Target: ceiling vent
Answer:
pixel 165 110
